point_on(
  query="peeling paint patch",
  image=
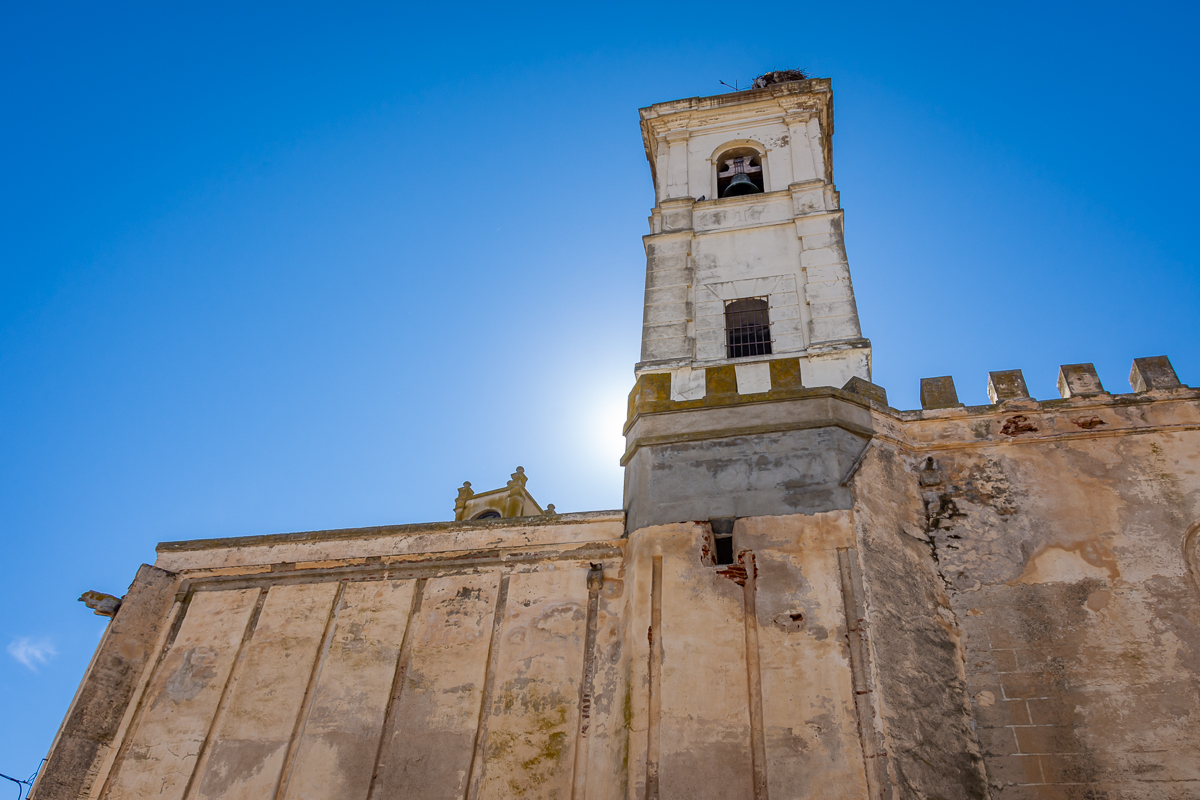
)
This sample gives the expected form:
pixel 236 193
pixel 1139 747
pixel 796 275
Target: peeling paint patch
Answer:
pixel 1070 564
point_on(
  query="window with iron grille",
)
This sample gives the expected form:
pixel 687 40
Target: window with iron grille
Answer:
pixel 747 328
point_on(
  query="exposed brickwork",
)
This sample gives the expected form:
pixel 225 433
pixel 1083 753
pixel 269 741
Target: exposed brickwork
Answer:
pixel 1044 699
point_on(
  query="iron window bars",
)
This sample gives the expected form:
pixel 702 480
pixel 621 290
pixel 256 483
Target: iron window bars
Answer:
pixel 747 328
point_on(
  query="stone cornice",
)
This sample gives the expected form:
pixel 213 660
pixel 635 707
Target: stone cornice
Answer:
pixel 813 96
pixel 799 116
pixel 414 529
pixel 812 86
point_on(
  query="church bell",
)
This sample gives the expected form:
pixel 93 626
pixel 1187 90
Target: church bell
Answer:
pixel 740 185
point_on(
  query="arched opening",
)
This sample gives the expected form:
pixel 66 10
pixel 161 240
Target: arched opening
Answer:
pixel 740 172
pixel 491 513
pixel 747 328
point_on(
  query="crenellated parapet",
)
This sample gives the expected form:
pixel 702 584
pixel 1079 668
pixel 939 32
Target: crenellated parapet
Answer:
pixel 1159 402
pixel 743 439
pixel 1153 374
pixel 745 384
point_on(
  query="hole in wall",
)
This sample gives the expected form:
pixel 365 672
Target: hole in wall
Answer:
pixel 722 528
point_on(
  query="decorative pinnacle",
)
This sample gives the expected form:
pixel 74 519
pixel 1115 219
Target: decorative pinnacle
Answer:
pixel 518 479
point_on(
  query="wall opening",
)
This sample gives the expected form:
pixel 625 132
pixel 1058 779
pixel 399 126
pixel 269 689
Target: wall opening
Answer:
pixel 747 328
pixel 740 172
pixel 491 513
pixel 722 529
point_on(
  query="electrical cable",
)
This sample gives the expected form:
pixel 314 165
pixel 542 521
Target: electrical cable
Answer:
pixel 21 791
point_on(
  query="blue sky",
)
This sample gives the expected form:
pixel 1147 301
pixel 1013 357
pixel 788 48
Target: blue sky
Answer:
pixel 274 268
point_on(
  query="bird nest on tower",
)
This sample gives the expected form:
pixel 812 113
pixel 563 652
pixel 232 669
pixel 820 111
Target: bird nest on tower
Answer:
pixel 779 76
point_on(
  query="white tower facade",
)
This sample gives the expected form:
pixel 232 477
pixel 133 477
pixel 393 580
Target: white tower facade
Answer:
pixel 745 260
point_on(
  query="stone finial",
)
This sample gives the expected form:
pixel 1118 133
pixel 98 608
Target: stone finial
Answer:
pixel 939 393
pixel 866 389
pixel 1008 384
pixel 514 504
pixel 1078 380
pixel 518 479
pixel 1154 372
pixel 460 503
pixel 103 605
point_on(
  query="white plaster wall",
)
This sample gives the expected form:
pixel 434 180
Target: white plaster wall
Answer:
pixel 762 262
pixel 687 155
pixel 835 370
pixel 791 148
pixel 705 147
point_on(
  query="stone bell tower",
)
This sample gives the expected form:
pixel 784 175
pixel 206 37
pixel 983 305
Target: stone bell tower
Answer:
pixel 745 261
pixel 748 302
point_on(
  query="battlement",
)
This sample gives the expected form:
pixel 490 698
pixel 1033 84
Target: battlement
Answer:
pixel 742 384
pixel 1153 374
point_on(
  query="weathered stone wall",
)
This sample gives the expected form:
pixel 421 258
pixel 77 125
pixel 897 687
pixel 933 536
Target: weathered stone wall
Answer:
pixel 673 481
pixel 1064 568
pixel 778 450
pixel 1038 553
pixel 431 671
pixel 563 661
pixel 92 727
pixel 989 602
pixel 743 688
pixel 919 678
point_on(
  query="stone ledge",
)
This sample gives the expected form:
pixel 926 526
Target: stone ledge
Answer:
pixel 810 86
pixel 412 529
pixel 768 412
pixel 394 566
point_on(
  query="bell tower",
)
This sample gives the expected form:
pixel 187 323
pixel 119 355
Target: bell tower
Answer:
pixel 750 323
pixel 745 261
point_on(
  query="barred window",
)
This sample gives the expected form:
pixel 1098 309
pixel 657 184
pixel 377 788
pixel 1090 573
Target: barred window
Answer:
pixel 747 328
